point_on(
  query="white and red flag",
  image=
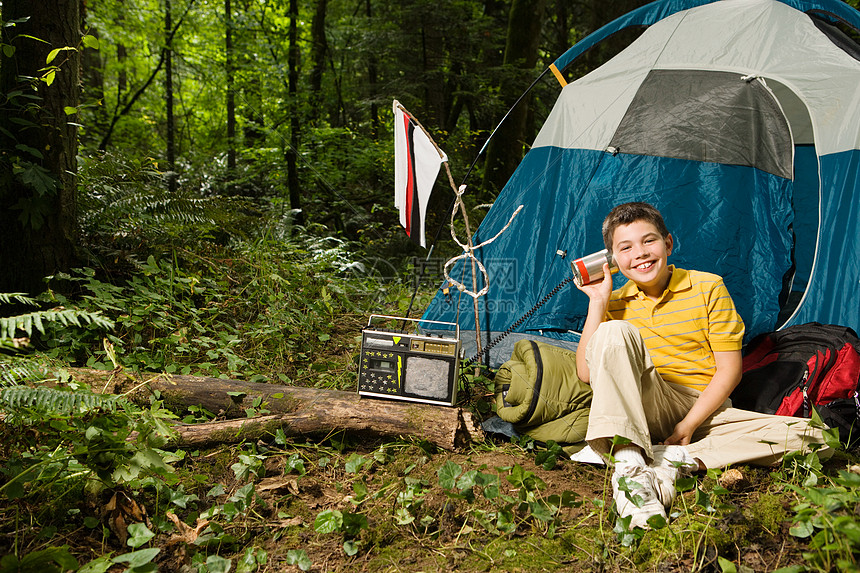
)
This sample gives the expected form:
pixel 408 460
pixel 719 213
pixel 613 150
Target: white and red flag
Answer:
pixel 417 161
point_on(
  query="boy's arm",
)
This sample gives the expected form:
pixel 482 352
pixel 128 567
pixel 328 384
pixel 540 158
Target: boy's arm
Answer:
pixel 598 298
pixel 726 378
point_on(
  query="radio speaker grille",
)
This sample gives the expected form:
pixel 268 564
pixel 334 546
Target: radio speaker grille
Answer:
pixel 427 377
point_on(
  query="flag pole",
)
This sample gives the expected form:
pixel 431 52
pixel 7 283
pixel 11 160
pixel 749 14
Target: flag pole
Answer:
pixel 454 201
pixel 465 218
pixel 427 133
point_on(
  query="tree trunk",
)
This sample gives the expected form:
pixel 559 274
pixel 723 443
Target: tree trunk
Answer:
pixel 231 97
pixel 372 79
pixel 433 54
pixel 297 411
pixel 170 136
pixel 38 144
pixel 446 428
pixel 319 52
pixel 93 81
pixel 505 150
pixel 122 76
pixel 292 88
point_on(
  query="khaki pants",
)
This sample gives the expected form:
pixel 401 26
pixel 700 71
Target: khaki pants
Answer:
pixel 632 400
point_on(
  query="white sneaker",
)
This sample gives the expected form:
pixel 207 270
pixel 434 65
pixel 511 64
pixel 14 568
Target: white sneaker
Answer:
pixel 669 463
pixel 635 491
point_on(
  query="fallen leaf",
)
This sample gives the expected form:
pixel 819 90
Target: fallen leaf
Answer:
pixel 284 523
pixel 120 512
pixel 184 532
pixel 278 483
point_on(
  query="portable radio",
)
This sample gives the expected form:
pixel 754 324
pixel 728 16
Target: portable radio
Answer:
pixel 400 365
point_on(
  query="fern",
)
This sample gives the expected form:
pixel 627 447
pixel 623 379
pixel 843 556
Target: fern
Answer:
pixel 36 320
pixel 15 370
pixel 56 401
pixel 126 204
pixel 10 298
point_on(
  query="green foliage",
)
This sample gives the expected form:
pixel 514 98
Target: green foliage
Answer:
pixel 250 463
pixel 342 130
pixel 50 560
pixel 36 321
pixel 548 457
pixel 264 313
pixel 507 513
pixel 826 516
pixel 59 434
pixel 127 211
pixel 137 560
pixel 23 112
pixel 299 558
pixel 332 520
pixel 14 370
pixel 39 321
pixel 18 399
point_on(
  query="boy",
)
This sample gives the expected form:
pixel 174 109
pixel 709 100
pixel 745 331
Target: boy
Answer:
pixel 662 355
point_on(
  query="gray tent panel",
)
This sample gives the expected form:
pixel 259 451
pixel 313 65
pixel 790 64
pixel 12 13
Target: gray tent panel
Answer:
pixel 699 115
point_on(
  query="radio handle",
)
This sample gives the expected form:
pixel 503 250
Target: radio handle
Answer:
pixel 414 320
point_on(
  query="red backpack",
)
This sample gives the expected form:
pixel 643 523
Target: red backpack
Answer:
pixel 789 371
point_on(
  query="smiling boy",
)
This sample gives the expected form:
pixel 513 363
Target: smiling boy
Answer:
pixel 663 354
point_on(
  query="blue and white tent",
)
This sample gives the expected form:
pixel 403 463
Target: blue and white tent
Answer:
pixel 739 120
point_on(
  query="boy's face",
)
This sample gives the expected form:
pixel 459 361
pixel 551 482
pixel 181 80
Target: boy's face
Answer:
pixel 640 253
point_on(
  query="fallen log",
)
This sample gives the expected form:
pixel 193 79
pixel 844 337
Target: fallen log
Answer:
pixel 295 410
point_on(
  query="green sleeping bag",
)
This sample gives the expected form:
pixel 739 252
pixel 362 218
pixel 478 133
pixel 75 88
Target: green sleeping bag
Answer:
pixel 538 391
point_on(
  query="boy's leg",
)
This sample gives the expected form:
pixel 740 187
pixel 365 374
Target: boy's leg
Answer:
pixel 734 436
pixel 630 398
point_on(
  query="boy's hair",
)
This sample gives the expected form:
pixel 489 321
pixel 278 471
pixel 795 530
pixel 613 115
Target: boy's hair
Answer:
pixel 628 213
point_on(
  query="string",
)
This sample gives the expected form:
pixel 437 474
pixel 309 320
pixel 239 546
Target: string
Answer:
pixel 469 249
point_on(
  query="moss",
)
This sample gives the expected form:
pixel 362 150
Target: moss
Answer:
pixel 279 402
pixel 214 463
pixel 474 553
pixel 296 508
pixel 251 432
pixel 529 553
pixel 768 513
pixel 174 401
pixel 420 418
pixel 380 534
pixel 403 554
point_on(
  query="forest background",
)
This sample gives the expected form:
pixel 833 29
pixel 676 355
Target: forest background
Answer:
pixel 206 187
pixel 285 106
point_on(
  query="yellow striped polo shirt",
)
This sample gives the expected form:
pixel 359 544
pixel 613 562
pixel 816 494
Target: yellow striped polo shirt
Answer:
pixel 694 318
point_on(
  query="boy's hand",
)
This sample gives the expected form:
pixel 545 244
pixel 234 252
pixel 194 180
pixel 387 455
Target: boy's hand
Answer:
pixel 598 294
pixel 713 397
pixel 681 435
pixel 599 291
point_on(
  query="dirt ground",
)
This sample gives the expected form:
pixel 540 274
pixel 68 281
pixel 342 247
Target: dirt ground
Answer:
pixel 344 505
pixel 446 535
